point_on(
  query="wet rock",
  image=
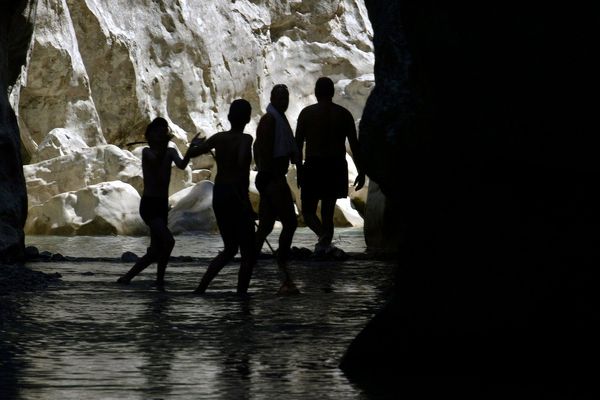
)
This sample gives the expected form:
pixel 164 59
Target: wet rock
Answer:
pixel 45 255
pixel 31 253
pixel 57 257
pixel 129 257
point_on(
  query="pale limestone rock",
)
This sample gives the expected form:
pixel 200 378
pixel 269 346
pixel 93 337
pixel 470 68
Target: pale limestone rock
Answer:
pixel 58 142
pixel 56 90
pixel 103 70
pixel 192 209
pixel 345 215
pixel 109 208
pixel 80 169
pixel 200 175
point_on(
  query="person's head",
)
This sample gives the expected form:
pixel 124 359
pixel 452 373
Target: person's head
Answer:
pixel 324 89
pixel 280 97
pixel 239 113
pixel 157 133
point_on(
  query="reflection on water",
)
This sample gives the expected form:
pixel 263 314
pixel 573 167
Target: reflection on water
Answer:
pixel 89 338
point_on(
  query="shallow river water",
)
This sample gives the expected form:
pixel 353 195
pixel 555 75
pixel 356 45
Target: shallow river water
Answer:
pixel 90 338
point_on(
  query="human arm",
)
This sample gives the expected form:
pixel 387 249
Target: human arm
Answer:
pixel 245 151
pixel 300 138
pixel 263 145
pixel 177 160
pixel 199 146
pixel 359 182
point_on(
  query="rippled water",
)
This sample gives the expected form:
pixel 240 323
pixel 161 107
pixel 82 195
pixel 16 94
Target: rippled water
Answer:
pixel 89 338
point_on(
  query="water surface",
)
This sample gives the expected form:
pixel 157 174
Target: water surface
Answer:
pixel 90 338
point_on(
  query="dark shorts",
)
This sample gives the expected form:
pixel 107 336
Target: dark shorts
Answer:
pixel 152 208
pixel 325 178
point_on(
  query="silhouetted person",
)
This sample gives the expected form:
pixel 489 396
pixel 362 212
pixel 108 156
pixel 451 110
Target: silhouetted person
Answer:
pixel 154 206
pixel 231 203
pixel 324 127
pixel 273 150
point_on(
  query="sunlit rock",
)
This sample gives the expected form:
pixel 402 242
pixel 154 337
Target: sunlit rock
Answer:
pixel 103 72
pixel 192 209
pixel 80 169
pixel 58 142
pixel 200 175
pixel 108 208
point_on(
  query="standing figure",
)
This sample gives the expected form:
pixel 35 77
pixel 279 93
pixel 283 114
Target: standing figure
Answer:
pixel 154 206
pixel 231 203
pixel 324 127
pixel 273 150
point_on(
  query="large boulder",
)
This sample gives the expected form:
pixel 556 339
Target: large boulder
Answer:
pixel 58 142
pixel 79 169
pixel 108 208
pixel 191 209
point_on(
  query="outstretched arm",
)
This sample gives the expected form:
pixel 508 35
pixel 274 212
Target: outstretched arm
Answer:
pixel 176 158
pixel 200 146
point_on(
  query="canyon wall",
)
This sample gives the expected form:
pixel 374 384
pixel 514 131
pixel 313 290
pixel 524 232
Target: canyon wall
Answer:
pixel 480 133
pixel 15 33
pixel 99 71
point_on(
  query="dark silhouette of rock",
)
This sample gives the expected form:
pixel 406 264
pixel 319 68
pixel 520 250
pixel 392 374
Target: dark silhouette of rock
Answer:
pixel 129 257
pixel 484 139
pixel 31 253
pixel 15 35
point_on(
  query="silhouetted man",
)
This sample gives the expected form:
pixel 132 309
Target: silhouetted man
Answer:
pixel 324 127
pixel 274 148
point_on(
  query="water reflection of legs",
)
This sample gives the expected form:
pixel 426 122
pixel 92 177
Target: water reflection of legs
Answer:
pixel 156 345
pixel 238 347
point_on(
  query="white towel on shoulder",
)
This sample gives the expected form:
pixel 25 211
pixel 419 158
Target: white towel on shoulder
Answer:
pixel 284 144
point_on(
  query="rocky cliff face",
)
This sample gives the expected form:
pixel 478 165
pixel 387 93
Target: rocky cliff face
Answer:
pixel 15 33
pixel 100 70
pixel 492 165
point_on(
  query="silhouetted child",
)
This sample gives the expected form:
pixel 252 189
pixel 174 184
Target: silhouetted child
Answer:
pixel 154 206
pixel 231 203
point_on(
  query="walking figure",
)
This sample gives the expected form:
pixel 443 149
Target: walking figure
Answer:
pixel 324 127
pixel 157 159
pixel 231 202
pixel 273 150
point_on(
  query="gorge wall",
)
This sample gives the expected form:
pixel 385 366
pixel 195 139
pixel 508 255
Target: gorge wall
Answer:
pixel 480 131
pixel 15 33
pixel 99 71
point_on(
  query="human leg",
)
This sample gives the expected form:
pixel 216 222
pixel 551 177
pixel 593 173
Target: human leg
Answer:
pixel 152 254
pixel 266 218
pixel 248 252
pixel 224 206
pixel 309 213
pixel 327 210
pixel 284 206
pixel 166 244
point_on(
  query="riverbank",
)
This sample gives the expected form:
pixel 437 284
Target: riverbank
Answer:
pixel 19 278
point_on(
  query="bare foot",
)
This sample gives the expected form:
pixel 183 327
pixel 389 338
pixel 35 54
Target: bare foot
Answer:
pixel 287 289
